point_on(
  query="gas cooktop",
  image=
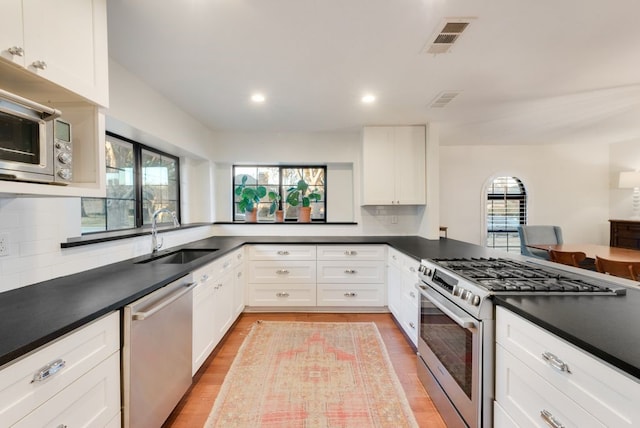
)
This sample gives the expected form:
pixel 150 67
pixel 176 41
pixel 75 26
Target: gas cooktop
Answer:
pixel 500 276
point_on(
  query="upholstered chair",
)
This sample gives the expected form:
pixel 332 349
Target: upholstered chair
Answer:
pixel 539 235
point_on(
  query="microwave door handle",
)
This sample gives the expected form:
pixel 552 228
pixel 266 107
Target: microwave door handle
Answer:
pixel 52 113
pixel 462 321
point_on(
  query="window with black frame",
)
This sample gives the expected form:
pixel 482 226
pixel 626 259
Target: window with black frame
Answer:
pixel 506 209
pixel 139 181
pixel 273 188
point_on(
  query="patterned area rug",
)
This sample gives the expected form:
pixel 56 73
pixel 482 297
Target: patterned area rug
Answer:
pixel 312 374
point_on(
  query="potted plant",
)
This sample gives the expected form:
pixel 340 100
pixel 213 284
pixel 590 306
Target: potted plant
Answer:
pixel 249 198
pixel 276 206
pixel 301 194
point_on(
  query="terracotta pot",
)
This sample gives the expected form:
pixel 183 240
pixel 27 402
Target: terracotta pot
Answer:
pixel 304 215
pixel 251 216
pixel 279 216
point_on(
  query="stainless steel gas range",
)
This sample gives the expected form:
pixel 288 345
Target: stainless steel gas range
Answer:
pixel 456 340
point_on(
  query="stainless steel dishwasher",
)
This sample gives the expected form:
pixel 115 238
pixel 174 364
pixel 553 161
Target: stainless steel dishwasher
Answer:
pixel 156 353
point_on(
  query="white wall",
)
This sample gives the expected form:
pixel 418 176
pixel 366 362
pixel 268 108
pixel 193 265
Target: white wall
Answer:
pixel 625 156
pixel 37 226
pixel 567 185
pixel 341 151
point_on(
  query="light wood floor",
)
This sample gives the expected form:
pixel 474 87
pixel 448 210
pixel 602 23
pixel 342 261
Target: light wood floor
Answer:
pixel 194 408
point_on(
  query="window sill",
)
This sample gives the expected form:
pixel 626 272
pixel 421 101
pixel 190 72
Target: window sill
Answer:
pixel 99 237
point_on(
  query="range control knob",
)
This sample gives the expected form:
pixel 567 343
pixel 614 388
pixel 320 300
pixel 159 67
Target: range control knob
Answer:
pixel 64 158
pixel 472 299
pixel 464 294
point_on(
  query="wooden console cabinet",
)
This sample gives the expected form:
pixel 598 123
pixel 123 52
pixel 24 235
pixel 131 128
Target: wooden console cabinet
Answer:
pixel 625 234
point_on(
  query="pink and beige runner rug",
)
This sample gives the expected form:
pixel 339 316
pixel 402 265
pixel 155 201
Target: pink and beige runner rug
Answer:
pixel 312 374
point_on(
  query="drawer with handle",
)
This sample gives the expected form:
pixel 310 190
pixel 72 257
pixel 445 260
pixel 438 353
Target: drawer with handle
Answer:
pixel 604 391
pixel 285 272
pixel 282 252
pixel 274 295
pixel 34 379
pixel 355 272
pixel 351 252
pixel 351 295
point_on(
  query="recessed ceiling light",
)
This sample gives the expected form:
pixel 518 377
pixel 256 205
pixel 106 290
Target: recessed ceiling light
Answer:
pixel 368 98
pixel 258 98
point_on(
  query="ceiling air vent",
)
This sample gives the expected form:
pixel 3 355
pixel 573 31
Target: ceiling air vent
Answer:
pixel 443 99
pixel 443 40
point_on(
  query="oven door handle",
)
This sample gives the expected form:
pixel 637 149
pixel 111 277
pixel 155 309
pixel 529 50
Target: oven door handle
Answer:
pixel 462 320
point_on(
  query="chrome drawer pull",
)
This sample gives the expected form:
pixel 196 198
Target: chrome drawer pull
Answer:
pixel 412 269
pixel 412 294
pixel 61 426
pixel 282 271
pixel 239 274
pixel 204 278
pixel 412 325
pixel 283 253
pixel 350 271
pixel 226 265
pixel 556 362
pixel 350 253
pixel 350 294
pixel 550 420
pixel 16 50
pixel 282 294
pixel 40 65
pixel 48 370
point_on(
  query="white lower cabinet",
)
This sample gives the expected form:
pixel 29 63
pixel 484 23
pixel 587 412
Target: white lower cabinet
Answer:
pixel 215 306
pixel 403 298
pixel 324 275
pixel 90 401
pixel 73 381
pixel 542 380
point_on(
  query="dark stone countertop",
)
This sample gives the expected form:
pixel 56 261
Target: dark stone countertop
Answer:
pixel 35 315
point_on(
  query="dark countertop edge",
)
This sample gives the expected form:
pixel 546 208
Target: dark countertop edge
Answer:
pixel 575 341
pixel 99 237
pixel 226 245
pixel 288 223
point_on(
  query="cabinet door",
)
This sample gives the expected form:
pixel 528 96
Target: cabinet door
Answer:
pixel 410 176
pixel 378 184
pixel 239 290
pixel 224 309
pixel 11 34
pixel 203 318
pixel 90 401
pixel 394 287
pixel 70 37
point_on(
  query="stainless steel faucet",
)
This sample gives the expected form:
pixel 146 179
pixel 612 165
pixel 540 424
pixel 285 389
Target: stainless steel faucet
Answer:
pixel 155 246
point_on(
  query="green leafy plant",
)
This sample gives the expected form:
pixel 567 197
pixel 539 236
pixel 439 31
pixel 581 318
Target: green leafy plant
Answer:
pixel 276 203
pixel 301 193
pixel 249 196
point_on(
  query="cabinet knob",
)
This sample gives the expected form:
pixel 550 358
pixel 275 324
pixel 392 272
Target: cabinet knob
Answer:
pixel 412 269
pixel 239 274
pixel 204 278
pixel 16 50
pixel 40 65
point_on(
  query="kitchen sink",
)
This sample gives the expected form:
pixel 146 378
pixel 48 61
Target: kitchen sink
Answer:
pixel 180 257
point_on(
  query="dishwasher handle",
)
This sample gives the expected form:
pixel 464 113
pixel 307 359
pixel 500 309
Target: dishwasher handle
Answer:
pixel 138 316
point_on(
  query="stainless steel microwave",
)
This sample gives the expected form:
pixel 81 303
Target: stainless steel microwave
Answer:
pixel 35 144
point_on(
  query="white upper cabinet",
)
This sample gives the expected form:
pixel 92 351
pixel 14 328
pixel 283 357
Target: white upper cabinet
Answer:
pixel 393 166
pixel 64 42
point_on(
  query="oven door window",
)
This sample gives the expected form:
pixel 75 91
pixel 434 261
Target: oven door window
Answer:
pixel 451 344
pixel 19 139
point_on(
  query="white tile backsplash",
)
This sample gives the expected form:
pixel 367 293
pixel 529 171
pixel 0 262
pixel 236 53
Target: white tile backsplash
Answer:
pixel 37 227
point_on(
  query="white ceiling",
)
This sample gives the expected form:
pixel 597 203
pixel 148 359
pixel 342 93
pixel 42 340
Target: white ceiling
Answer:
pixel 530 71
